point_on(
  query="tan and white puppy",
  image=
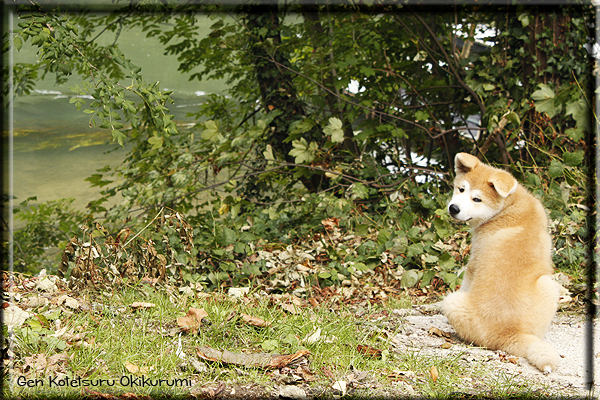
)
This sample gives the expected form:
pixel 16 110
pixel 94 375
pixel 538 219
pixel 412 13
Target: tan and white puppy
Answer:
pixel 508 298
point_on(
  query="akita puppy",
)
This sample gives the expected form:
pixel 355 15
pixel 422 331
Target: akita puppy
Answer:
pixel 507 298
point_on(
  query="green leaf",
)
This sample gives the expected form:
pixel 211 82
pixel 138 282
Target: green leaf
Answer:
pixel 556 169
pixel 156 142
pixel 446 262
pixel 118 136
pixel 96 180
pixel 270 345
pixel 573 159
pixel 544 100
pixel 268 154
pixel 302 151
pixel 410 278
pixel 358 191
pixel 18 42
pixel 524 18
pixel 228 237
pixel 300 127
pixel 575 134
pixel 211 132
pixel 430 258
pixel 513 117
pixel 334 129
pixel 421 116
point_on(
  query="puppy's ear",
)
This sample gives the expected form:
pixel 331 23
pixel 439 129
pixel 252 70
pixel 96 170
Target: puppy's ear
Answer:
pixel 464 162
pixel 503 183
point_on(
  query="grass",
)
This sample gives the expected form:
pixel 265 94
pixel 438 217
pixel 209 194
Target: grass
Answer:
pixel 117 337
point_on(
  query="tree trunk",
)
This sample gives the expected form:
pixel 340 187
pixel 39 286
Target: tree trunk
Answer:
pixel 274 80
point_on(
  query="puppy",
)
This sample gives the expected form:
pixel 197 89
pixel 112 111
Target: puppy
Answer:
pixel 507 298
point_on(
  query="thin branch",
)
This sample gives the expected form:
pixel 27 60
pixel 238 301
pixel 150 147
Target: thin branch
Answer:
pixel 371 110
pixel 451 63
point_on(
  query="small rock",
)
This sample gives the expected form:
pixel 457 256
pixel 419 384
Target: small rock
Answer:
pixel 339 387
pixel 291 392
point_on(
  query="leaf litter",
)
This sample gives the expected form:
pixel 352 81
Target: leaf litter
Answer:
pixel 289 268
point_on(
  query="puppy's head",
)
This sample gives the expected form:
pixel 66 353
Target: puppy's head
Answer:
pixel 479 190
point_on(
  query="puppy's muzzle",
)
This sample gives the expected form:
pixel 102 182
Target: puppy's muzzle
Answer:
pixel 453 210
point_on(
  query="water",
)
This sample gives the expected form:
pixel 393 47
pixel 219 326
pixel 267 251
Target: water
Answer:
pixel 54 147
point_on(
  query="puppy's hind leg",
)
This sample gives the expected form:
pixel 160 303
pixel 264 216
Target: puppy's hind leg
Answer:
pixel 457 309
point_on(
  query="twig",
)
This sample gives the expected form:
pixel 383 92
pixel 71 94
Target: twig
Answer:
pixel 140 232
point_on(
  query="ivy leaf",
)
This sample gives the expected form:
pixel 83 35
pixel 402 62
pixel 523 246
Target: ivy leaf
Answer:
pixel 580 112
pixel 410 278
pixel 334 129
pixel 573 159
pixel 96 180
pixel 358 191
pixel 556 169
pixel 421 116
pixel 574 134
pixel 524 18
pixel 544 100
pixel 302 151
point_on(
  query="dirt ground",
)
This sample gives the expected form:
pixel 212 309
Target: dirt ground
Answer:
pixel 568 333
pixel 418 334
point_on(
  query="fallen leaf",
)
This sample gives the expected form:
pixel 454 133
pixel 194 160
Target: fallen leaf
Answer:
pixel 369 351
pixel 14 317
pixel 36 363
pixel 192 320
pixel 261 323
pixel 313 337
pixel 328 373
pixel 438 332
pixel 284 360
pixel 46 285
pixel 291 308
pixel 131 367
pixel 67 301
pixel 238 292
pixel 434 373
pixel 142 304
pixel 37 301
pixel 330 224
pixel 408 374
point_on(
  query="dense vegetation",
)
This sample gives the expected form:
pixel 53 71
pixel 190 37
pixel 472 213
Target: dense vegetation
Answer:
pixel 291 156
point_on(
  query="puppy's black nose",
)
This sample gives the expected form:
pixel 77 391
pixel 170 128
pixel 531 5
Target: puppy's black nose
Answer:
pixel 453 209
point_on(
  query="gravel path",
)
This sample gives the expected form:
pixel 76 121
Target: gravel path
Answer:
pixel 567 333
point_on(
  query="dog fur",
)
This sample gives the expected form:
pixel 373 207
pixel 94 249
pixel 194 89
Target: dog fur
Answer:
pixel 507 298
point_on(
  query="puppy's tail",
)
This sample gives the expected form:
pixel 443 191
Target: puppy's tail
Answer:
pixel 540 354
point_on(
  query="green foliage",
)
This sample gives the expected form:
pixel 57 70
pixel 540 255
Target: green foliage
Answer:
pixel 289 147
pixel 46 225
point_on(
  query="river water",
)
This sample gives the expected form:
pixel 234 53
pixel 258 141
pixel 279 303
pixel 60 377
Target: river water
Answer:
pixel 54 147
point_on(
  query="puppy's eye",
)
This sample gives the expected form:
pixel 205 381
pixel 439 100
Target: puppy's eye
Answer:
pixel 461 189
pixel 477 200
